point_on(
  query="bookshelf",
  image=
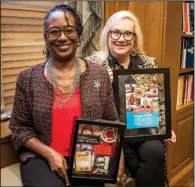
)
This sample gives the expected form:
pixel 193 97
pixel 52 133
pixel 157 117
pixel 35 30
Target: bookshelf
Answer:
pixel 185 90
pixel 185 87
pixel 180 155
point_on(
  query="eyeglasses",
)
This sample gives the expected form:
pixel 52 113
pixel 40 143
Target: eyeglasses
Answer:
pixel 56 32
pixel 127 35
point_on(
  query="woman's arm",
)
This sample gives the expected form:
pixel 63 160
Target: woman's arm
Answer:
pixel 23 133
pixel 21 123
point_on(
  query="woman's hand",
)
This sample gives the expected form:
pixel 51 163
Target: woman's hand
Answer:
pixel 58 164
pixel 120 175
pixel 173 138
pixel 56 161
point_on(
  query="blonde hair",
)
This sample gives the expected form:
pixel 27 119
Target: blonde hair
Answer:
pixel 104 48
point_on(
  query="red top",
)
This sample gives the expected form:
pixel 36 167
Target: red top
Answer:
pixel 62 123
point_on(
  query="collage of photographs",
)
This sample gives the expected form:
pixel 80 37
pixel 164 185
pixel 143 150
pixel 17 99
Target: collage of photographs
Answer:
pixel 142 107
pixel 95 150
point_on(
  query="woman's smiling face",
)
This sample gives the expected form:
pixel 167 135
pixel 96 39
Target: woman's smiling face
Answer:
pixel 62 45
pixel 121 46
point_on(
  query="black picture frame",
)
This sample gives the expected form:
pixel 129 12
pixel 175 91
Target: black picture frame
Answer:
pixel 99 141
pixel 133 89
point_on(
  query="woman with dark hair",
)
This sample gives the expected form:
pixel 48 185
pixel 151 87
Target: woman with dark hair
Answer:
pixel 50 95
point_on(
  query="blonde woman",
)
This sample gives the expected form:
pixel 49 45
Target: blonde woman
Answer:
pixel 121 47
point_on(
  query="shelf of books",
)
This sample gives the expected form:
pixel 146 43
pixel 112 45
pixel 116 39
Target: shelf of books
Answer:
pixel 185 91
pixel 187 52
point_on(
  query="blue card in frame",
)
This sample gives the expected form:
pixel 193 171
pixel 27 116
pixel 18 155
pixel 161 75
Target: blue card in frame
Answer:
pixel 142 98
pixel 96 150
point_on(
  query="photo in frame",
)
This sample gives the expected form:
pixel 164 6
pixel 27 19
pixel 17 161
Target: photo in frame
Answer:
pixel 143 101
pixel 96 150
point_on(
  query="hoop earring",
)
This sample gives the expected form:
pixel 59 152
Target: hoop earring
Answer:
pixel 44 51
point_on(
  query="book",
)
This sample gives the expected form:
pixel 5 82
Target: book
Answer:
pixel 191 16
pixel 189 53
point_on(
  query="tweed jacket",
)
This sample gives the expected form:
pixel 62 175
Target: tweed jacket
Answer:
pixel 32 109
pixel 138 61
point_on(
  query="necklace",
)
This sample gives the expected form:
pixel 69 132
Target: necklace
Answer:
pixel 61 100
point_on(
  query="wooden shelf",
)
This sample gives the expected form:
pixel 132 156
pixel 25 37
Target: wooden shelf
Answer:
pixel 185 107
pixel 5 131
pixel 186 70
pixel 190 35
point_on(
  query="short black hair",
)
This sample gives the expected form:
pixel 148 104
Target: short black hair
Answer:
pixel 64 8
pixel 100 156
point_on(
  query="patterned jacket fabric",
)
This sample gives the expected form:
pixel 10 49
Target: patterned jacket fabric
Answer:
pixel 32 109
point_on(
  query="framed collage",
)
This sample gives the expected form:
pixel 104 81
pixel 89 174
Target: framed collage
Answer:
pixel 143 102
pixel 96 151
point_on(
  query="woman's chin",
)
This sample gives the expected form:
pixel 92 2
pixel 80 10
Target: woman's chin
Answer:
pixel 65 55
pixel 121 52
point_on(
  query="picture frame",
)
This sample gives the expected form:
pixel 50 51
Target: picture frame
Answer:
pixel 96 150
pixel 143 101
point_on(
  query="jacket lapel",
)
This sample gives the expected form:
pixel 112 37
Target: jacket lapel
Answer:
pixel 136 62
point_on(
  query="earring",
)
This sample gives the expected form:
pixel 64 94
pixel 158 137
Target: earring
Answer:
pixel 44 51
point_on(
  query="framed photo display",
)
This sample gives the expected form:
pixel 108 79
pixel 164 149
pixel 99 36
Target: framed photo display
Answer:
pixel 143 102
pixel 96 151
